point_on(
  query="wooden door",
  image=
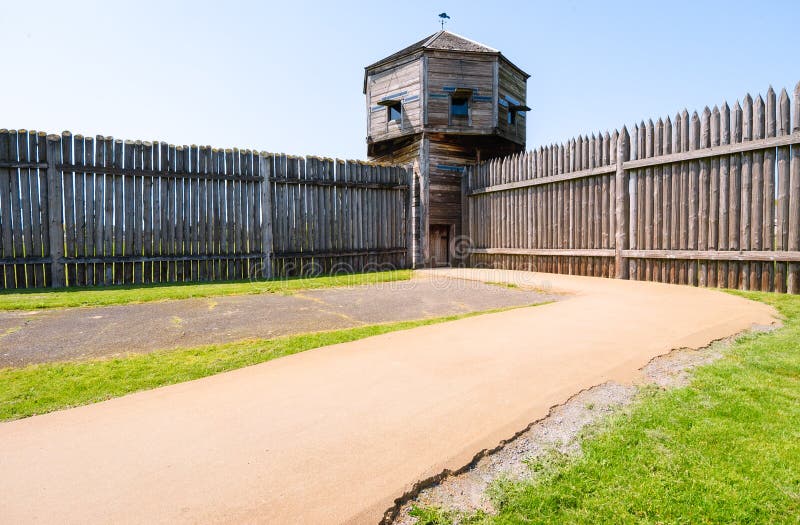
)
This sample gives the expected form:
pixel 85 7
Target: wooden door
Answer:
pixel 440 244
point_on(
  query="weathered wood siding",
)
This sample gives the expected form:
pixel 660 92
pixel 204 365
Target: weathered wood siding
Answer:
pixel 447 72
pixel 512 89
pixel 711 199
pixel 447 161
pixel 83 211
pixel 400 82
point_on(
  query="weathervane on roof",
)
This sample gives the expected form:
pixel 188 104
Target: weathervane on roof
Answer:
pixel 442 18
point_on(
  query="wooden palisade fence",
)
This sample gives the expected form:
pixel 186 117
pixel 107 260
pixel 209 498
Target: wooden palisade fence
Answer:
pixel 706 200
pixel 97 211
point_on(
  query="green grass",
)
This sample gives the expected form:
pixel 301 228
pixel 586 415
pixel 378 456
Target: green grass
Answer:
pixel 42 388
pixel 74 297
pixel 505 285
pixel 725 449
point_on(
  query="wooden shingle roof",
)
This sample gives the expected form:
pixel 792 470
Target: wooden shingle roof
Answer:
pixel 441 40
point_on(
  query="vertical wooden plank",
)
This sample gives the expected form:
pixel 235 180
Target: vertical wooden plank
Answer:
pixel 8 280
pixel 56 224
pixel 69 204
pixel 676 203
pixel 724 194
pixel 180 211
pixel 757 202
pixel 194 224
pixel 281 219
pixel 188 168
pixel 255 213
pixel 794 199
pixel 658 142
pixel 212 171
pixel 648 201
pixel 265 170
pixel 176 212
pixel 293 216
pixel 747 192
pixel 319 211
pixel 330 205
pixel 89 192
pixel 168 221
pixel 694 197
pixel 41 152
pixel 667 267
pixel 641 188
pixel 782 203
pixel 236 209
pixel 138 212
pixel 160 225
pixel 281 213
pixel 312 222
pixel 666 198
pixel 346 219
pixel 596 182
pixel 158 191
pixel 16 213
pixel 208 211
pixel 36 145
pixel 128 213
pixel 247 211
pixel 713 200
pixel 703 197
pixel 622 205
pixel 80 210
pixel 634 204
pixel 685 196
pixel 16 271
pixel 26 273
pixel 735 188
pixel 768 223
pixel 612 201
pixel 109 189
pixel 218 167
pixel 147 212
pixel 191 165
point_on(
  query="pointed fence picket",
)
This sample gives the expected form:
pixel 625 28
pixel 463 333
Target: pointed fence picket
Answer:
pixel 83 211
pixel 709 199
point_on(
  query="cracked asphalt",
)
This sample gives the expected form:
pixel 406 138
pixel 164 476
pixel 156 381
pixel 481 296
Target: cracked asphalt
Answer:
pixel 28 337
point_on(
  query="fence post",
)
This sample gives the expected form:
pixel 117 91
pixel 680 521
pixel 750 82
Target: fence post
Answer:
pixel 54 212
pixel 622 207
pixel 265 170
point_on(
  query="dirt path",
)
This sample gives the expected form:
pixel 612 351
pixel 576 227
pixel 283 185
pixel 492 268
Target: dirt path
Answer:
pixel 75 333
pixel 335 434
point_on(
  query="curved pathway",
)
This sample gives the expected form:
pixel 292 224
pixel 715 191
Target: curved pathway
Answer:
pixel 335 434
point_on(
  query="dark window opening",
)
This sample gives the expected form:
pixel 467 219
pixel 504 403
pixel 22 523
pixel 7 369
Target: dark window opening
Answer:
pixel 459 107
pixel 512 116
pixel 395 110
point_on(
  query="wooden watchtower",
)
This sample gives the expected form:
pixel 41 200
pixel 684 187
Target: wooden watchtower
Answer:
pixel 441 104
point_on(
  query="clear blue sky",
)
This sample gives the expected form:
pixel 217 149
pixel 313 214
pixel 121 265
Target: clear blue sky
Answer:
pixel 287 76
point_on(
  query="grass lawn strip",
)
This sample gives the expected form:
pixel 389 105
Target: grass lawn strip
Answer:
pixel 76 297
pixel 724 449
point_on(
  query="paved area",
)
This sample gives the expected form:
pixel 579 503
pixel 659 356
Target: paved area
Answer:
pixel 77 333
pixel 333 435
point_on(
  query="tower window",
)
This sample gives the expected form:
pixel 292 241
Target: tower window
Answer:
pixel 512 116
pixel 459 107
pixel 395 111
